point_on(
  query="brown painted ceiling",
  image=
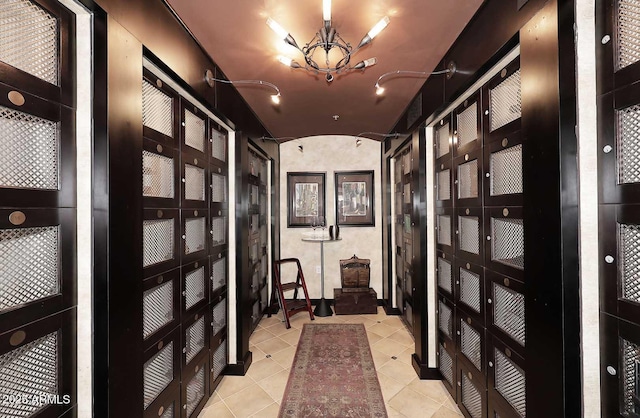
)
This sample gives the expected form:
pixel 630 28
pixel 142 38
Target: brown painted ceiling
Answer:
pixel 236 36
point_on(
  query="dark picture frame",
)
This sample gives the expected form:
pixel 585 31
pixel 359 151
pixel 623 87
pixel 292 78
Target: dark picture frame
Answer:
pixel 354 198
pixel 305 198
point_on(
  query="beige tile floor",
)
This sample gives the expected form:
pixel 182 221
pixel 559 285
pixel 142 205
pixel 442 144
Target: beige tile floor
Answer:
pixel 259 393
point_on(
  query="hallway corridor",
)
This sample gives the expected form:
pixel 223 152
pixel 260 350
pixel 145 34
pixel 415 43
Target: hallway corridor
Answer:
pixel 258 394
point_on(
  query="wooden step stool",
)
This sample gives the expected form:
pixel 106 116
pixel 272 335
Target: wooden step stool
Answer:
pixel 292 307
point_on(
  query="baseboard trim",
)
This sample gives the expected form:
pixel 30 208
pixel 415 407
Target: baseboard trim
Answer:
pixel 424 372
pixel 241 367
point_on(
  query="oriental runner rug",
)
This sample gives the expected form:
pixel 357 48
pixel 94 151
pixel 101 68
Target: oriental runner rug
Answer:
pixel 333 375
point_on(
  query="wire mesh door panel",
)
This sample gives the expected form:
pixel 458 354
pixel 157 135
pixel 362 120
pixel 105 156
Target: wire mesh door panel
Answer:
pixel 446 320
pixel 37 163
pixel 503 185
pixel 447 366
pixel 160 111
pixel 471 339
pixel 194 285
pixel 469 234
pixel 218 142
pixel 160 245
pixel 467 132
pixel 467 172
pixel 502 97
pixel 470 289
pixel 444 268
pixel 194 130
pixel 506 304
pixel 507 381
pixel 504 241
pixel 472 392
pixel 160 175
pixel 194 182
pixel 443 139
pixel 36 362
pixel 443 180
pixel 444 220
pixel 195 337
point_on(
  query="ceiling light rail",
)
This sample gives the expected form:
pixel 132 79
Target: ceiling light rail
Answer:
pixel 327 39
pixel 449 71
pixel 210 79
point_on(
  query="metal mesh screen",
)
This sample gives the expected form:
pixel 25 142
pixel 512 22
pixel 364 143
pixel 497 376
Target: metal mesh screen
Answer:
pixel 471 398
pixel 629 242
pixel 629 377
pixel 444 229
pixel 628 45
pixel 218 230
pixel 254 225
pixel 168 413
pixel 468 125
pixel 442 140
pixel 505 101
pixel 193 182
pixel 194 339
pixel 194 233
pixel 218 145
pixel 194 287
pixel 29 371
pixel 157 241
pixel 157 373
pixel 505 169
pixel 219 360
pixel 407 192
pixel 443 181
pixel 469 234
pixel 446 364
pixel 29 39
pixel 628 138
pixel 445 319
pixel 218 273
pixel 29 265
pixel 195 391
pixel 157 175
pixel 507 243
pixel 510 382
pixel 157 308
pixel 218 188
pixel 471 344
pixel 30 151
pixel 406 163
pixel 470 289
pixel 219 319
pixel 194 131
pixel 468 180
pixel 444 274
pixel 508 314
pixel 157 109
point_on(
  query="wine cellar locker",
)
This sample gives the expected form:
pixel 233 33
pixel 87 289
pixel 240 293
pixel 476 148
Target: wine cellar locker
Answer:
pixel 38 272
pixel 403 178
pixel 184 240
pixel 619 222
pixel 480 249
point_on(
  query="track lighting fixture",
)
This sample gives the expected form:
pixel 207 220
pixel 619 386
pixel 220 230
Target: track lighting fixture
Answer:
pixel 450 71
pixel 300 148
pixel 327 39
pixel 210 79
pixel 358 142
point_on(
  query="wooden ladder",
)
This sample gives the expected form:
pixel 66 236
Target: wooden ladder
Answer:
pixel 294 306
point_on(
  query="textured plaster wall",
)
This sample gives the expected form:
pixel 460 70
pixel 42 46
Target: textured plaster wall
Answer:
pixel 330 154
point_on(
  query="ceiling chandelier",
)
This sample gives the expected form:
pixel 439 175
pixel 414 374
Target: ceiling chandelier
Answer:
pixel 328 39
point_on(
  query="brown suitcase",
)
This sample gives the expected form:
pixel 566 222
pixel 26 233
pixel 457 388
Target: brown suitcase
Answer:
pixel 362 301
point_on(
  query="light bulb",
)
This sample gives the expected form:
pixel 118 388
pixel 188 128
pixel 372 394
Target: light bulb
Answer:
pixel 275 26
pixel 275 98
pixel 378 27
pixel 379 90
pixel 285 60
pixel 326 10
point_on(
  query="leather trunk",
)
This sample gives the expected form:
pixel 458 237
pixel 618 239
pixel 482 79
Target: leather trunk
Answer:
pixel 352 302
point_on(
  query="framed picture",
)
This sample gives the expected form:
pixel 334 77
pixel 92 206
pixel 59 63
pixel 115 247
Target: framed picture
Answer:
pixel 354 198
pixel 305 199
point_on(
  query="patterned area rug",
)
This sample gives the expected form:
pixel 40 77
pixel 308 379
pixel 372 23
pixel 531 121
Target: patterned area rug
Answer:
pixel 333 375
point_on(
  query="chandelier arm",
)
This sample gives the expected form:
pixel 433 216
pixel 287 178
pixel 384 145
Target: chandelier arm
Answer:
pixel 417 73
pixel 255 82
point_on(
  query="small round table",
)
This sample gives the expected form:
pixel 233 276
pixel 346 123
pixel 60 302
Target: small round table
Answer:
pixel 324 307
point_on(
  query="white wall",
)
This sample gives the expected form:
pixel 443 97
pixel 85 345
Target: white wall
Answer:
pixel 329 154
